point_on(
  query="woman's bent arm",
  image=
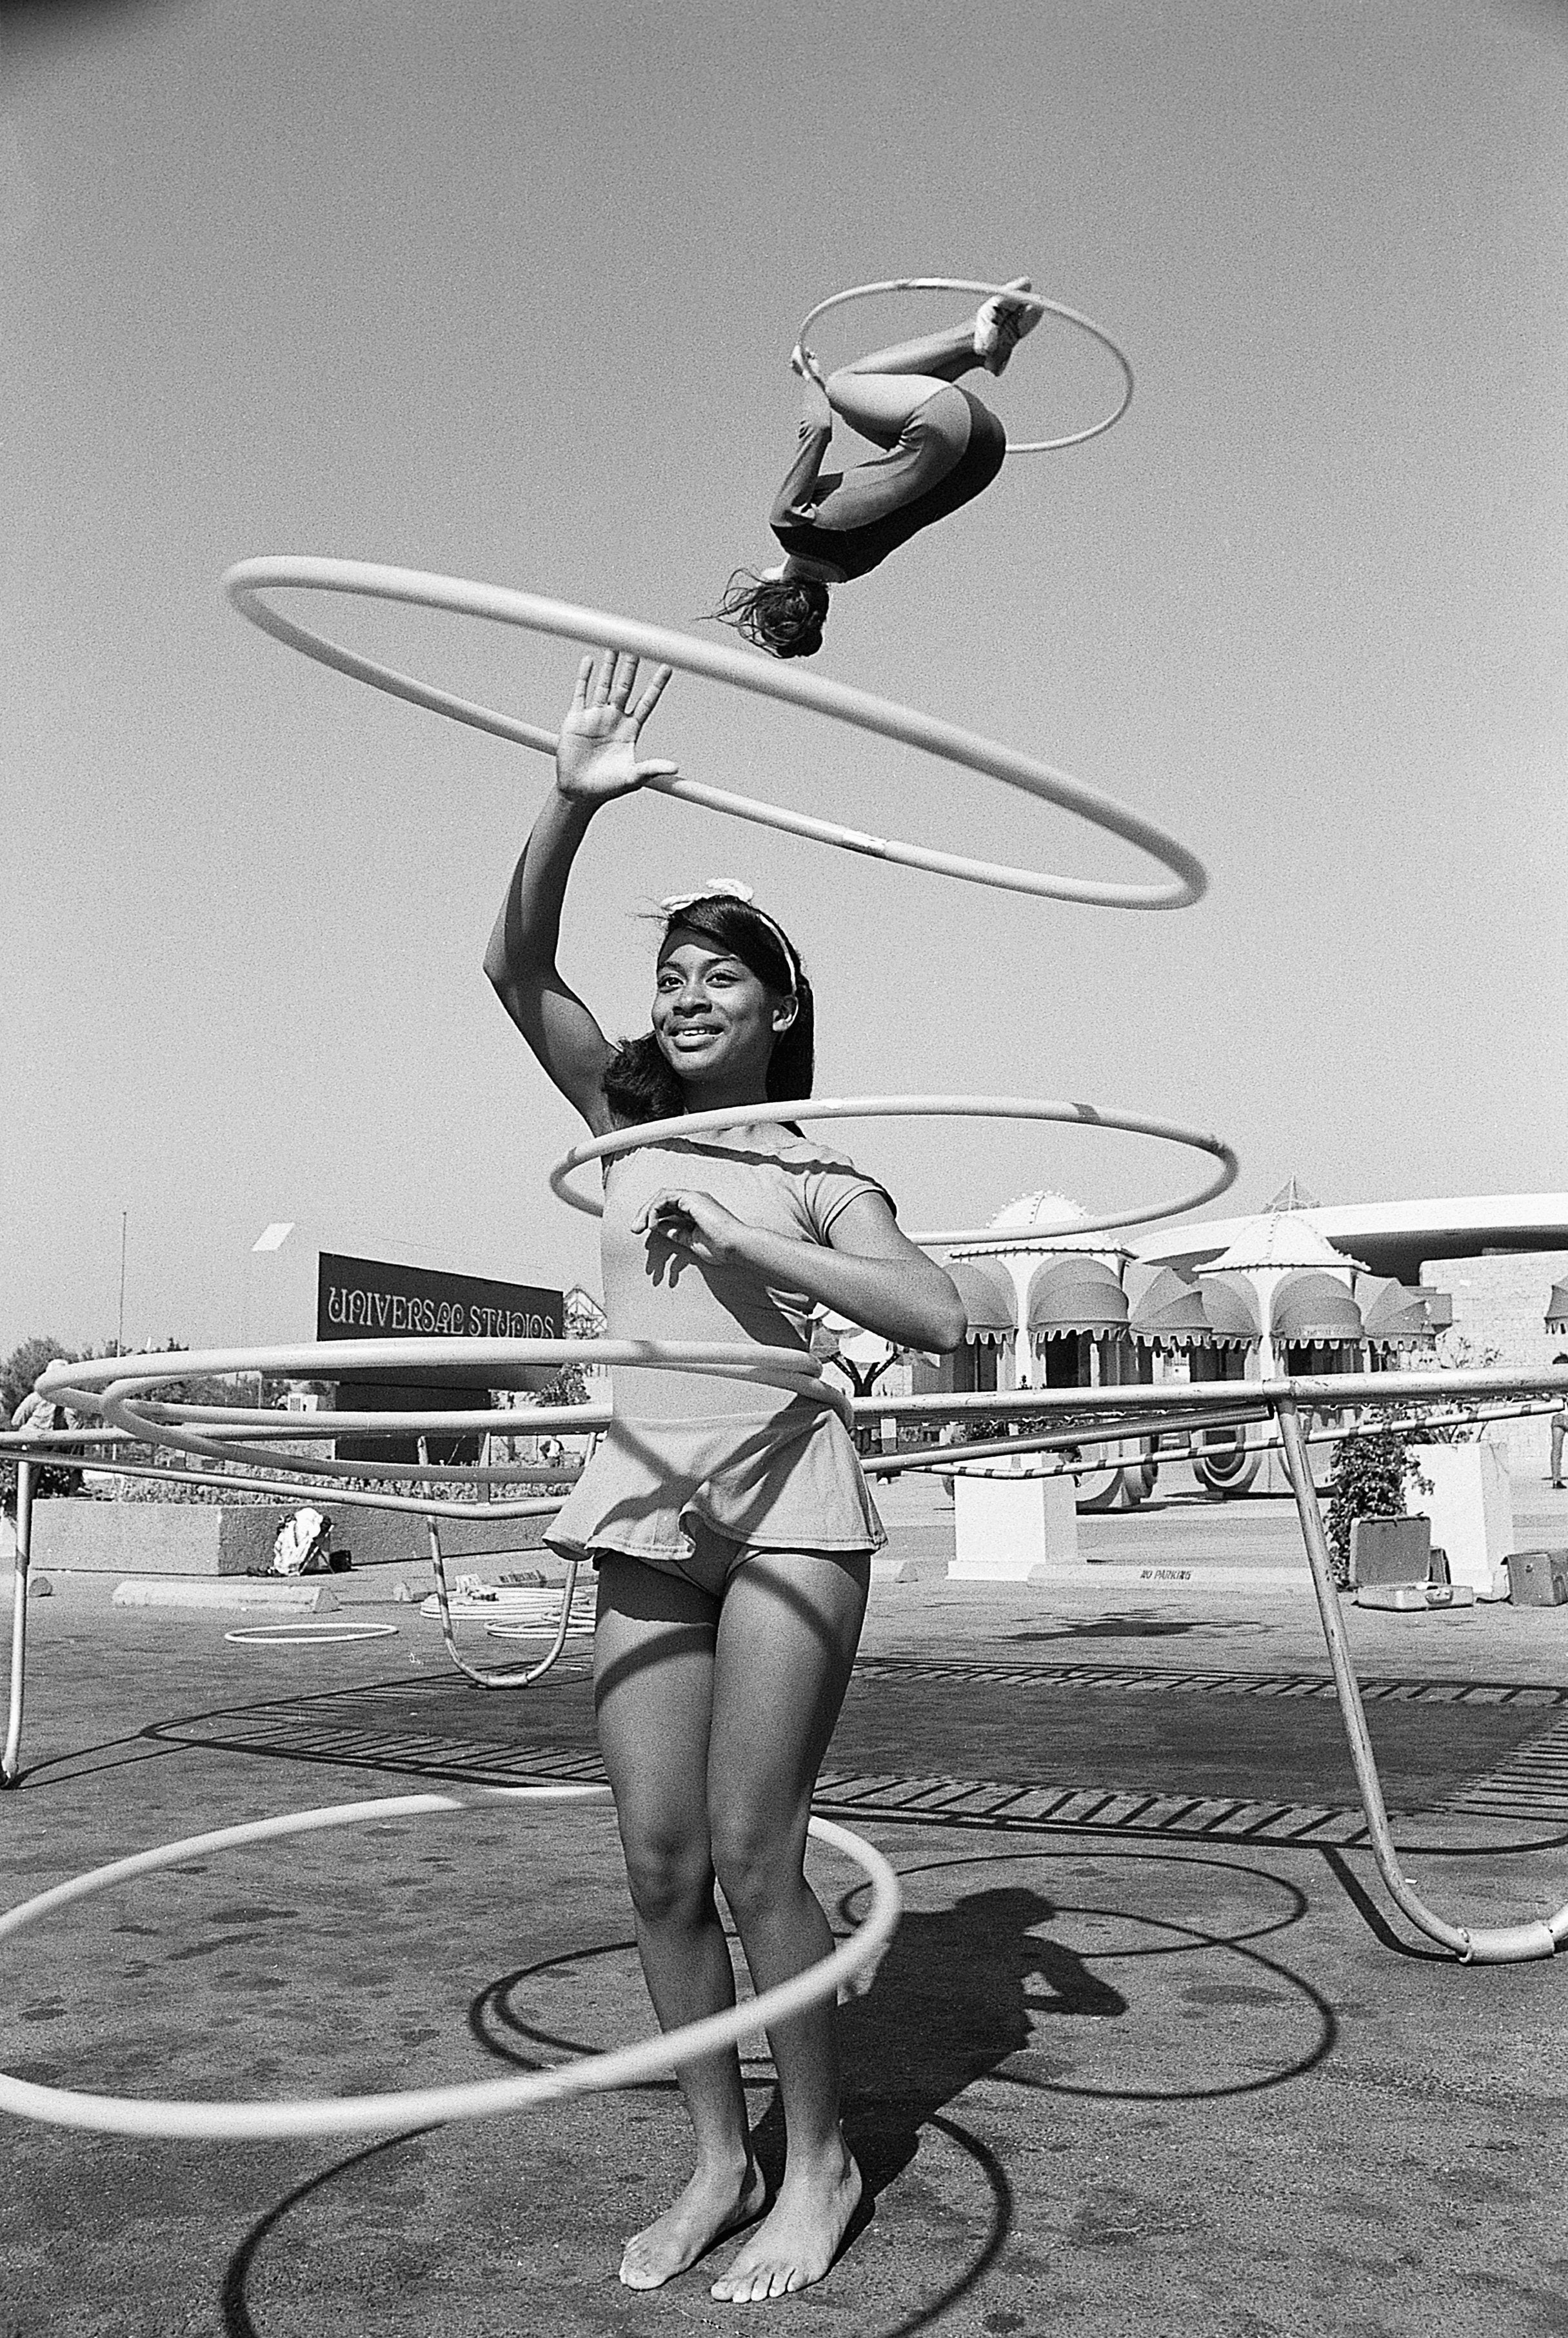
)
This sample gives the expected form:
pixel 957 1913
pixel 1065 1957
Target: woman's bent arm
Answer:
pixel 872 1273
pixel 795 499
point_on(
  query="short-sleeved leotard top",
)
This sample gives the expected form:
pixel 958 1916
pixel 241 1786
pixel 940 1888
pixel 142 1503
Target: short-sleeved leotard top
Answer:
pixel 768 1176
pixel 757 1464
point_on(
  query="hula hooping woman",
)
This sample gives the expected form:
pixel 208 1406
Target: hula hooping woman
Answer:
pixel 729 1524
pixel 943 448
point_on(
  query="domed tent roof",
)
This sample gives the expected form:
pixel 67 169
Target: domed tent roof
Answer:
pixel 988 1295
pixel 1052 1212
pixel 1042 1223
pixel 1278 1238
pixel 1069 1295
pixel 1310 1310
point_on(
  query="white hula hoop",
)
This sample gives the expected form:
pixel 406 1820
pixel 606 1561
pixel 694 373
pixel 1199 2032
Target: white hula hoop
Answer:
pixel 655 2058
pixel 114 1387
pixel 308 1636
pixel 917 1107
pixel 248 580
pixel 1026 299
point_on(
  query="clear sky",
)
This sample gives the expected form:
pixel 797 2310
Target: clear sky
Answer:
pixel 509 293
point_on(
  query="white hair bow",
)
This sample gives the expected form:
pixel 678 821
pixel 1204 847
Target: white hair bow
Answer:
pixel 730 887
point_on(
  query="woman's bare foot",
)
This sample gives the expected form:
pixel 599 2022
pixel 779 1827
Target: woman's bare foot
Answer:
pixel 714 2203
pixel 800 2238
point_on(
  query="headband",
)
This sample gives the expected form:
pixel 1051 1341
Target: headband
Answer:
pixel 730 889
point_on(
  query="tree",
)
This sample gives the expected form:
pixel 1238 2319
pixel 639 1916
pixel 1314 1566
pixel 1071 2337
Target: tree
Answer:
pixel 861 1356
pixel 18 1374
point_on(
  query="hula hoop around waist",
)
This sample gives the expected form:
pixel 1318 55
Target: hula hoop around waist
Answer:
pixel 917 1107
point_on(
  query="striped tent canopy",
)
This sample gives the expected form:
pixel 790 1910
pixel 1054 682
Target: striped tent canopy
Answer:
pixel 1316 1311
pixel 1069 1295
pixel 1557 1312
pixel 988 1295
pixel 1230 1303
pixel 1170 1312
pixel 1392 1314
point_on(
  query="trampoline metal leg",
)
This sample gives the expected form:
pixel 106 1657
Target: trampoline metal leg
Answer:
pixel 11 1761
pixel 480 1677
pixel 1501 1944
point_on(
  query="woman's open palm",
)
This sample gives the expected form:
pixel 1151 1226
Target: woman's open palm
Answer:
pixel 596 752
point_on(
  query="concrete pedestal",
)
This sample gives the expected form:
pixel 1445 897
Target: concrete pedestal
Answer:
pixel 1471 1507
pixel 1013 1529
pixel 198 1539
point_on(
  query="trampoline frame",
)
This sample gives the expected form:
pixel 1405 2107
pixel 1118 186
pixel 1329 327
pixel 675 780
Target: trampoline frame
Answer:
pixel 1087 1416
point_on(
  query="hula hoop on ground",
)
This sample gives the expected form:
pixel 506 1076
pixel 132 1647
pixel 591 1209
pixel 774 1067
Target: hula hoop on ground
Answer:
pixel 248 580
pixel 919 1107
pixel 1026 299
pixel 308 1636
pixel 855 1960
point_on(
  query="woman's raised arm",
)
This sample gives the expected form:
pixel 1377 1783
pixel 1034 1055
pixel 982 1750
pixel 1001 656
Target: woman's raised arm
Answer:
pixel 596 762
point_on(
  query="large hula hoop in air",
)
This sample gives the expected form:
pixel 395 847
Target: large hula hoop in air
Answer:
pixel 1024 300
pixel 917 1107
pixel 853 1961
pixel 249 581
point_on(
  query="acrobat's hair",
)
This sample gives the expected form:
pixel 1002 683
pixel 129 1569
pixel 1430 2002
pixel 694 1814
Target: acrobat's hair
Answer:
pixel 782 614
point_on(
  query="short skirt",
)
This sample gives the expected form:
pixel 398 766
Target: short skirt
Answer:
pixel 785 1480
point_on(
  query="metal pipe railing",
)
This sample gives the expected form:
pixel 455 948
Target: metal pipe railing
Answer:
pixel 1500 1944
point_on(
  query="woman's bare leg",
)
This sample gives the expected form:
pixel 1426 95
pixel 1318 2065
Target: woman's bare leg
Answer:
pixel 877 395
pixel 654 1659
pixel 787 1633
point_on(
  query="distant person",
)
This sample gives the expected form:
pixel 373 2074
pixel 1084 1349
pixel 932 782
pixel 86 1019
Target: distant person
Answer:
pixel 729 1524
pixel 1559 1433
pixel 944 449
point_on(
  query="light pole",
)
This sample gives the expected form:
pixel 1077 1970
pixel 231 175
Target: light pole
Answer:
pixel 270 1238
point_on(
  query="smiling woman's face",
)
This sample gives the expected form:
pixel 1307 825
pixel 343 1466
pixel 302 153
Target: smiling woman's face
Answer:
pixel 714 1020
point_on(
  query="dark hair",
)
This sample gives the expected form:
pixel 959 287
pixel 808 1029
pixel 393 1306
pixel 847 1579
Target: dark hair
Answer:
pixel 639 1082
pixel 782 614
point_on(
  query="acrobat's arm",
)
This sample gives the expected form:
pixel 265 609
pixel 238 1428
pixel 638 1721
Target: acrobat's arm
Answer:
pixel 873 492
pixel 795 505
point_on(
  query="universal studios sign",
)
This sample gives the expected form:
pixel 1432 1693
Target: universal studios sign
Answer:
pixel 372 1299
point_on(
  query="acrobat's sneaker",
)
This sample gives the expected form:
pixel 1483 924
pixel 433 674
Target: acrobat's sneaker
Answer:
pixel 1002 324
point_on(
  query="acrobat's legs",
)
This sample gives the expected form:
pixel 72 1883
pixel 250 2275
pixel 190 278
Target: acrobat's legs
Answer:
pixel 877 395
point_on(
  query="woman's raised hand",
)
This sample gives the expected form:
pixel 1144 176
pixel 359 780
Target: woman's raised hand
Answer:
pixel 596 752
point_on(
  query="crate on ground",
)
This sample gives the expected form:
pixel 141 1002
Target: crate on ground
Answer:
pixel 1538 1579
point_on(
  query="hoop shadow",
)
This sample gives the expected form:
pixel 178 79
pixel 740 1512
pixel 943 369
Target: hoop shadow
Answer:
pixel 951 2004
